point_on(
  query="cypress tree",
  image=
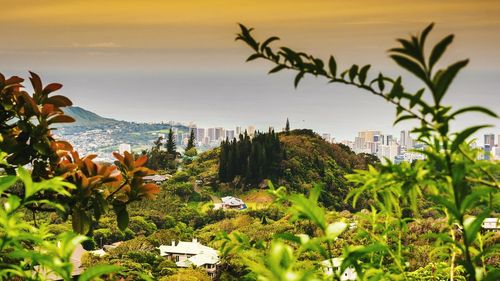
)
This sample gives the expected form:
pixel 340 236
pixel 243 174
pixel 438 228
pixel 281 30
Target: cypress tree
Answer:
pixel 170 145
pixel 287 127
pixel 191 140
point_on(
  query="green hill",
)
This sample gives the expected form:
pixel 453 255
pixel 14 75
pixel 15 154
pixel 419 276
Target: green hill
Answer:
pixel 306 160
pixel 84 117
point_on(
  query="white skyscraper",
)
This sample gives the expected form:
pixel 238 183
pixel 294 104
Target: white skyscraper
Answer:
pixel 230 134
pixel 211 134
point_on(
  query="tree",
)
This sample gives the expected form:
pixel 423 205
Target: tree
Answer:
pixel 451 176
pixel 191 141
pixel 170 145
pixel 287 127
pixel 59 182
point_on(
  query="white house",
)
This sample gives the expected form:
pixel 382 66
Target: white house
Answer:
pixel 187 254
pixel 333 265
pixel 158 179
pixel 230 202
pixel 491 224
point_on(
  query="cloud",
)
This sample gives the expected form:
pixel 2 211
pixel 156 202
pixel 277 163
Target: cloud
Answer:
pixel 96 45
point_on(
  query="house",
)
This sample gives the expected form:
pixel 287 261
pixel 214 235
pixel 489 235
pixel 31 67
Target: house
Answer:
pixel 188 254
pixel 158 179
pixel 76 261
pixel 333 265
pixel 230 202
pixel 491 224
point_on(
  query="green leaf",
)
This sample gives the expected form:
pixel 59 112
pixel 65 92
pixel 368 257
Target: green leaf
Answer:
pixel 362 74
pixel 402 118
pixel 277 68
pixel 416 98
pixel 98 270
pixel 6 182
pixel 80 221
pixel 444 79
pixel 396 90
pixel 411 66
pixel 25 176
pixel 473 225
pixel 474 109
pixel 381 84
pixel 353 71
pixel 122 219
pixel 335 229
pixel 254 56
pixel 424 34
pixel 267 42
pixel 439 49
pixel 299 76
pixel 463 135
pixel 333 66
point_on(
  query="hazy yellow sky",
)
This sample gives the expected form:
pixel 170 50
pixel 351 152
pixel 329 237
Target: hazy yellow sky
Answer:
pixel 118 38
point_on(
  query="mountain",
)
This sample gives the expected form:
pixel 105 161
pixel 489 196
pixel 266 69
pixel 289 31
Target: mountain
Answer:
pixel 84 117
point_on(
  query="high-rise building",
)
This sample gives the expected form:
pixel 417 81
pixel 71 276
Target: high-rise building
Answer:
pixel 238 131
pixel 389 151
pixel 211 134
pixel 489 139
pixel 402 139
pixel 199 134
pixel 230 134
pixel 389 139
pixel 219 133
pixel 406 140
pixel 251 131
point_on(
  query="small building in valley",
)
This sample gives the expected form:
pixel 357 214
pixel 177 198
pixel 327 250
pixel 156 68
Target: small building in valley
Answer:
pixel 333 265
pixel 230 202
pixel 158 179
pixel 188 254
pixel 491 224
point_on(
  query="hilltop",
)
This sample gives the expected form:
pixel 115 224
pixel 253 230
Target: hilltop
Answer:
pixel 307 160
pixel 84 117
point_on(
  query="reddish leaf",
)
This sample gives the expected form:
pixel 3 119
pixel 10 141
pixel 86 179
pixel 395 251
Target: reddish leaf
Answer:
pixel 51 88
pixel 36 82
pixel 64 145
pixel 118 156
pixel 129 160
pixel 12 80
pixel 61 119
pixel 59 101
pixel 141 161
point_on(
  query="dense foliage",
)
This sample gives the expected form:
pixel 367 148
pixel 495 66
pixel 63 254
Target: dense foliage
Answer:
pixel 254 159
pixel 60 181
pixel 463 189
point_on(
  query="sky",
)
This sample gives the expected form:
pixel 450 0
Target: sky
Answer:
pixel 177 59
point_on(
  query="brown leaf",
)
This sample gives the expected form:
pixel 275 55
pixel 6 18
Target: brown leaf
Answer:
pixel 36 82
pixel 52 87
pixel 59 101
pixel 141 161
pixel 61 119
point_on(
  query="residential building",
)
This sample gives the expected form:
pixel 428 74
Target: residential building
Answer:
pixel 230 202
pixel 333 265
pixel 491 224
pixel 489 139
pixel 188 254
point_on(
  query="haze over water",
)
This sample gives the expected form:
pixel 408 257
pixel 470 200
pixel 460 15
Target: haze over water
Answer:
pixel 177 60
